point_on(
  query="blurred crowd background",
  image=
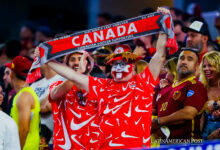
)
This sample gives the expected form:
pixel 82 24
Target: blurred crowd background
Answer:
pixel 25 24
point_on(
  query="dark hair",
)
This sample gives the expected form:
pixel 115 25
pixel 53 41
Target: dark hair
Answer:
pixel 30 26
pixel 97 72
pixel 12 48
pixel 177 11
pixel 47 31
pixel 107 16
pixel 118 18
pixel 194 50
pixel 146 10
pixel 23 78
pixel 178 22
pixel 45 132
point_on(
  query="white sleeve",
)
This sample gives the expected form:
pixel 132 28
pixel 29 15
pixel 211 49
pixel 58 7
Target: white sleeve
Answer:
pixel 1 137
pixel 12 141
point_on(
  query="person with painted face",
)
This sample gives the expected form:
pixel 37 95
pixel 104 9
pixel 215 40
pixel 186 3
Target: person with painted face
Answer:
pixel 124 102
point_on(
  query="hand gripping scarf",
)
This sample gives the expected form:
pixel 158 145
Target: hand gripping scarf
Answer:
pixel 117 32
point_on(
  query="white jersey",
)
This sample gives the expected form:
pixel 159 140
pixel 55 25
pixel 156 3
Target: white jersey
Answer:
pixel 9 138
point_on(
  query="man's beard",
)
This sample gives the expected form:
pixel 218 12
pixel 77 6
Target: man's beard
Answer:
pixel 186 73
pixel 197 46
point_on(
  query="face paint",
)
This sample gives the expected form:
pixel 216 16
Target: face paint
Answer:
pixel 121 70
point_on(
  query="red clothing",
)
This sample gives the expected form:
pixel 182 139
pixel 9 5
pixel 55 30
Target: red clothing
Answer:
pixel 74 124
pixel 172 98
pixel 124 110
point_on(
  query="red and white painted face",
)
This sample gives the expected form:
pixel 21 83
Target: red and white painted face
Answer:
pixel 120 69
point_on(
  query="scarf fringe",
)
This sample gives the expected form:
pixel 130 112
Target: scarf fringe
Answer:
pixel 33 76
pixel 172 45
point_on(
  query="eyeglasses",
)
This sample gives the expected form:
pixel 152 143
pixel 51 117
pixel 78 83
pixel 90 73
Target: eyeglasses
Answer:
pixel 81 100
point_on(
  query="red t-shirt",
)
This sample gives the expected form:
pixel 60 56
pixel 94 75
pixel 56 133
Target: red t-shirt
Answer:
pixel 173 98
pixel 124 110
pixel 75 125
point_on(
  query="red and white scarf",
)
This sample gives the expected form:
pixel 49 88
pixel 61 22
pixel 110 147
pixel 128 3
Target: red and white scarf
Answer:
pixel 129 29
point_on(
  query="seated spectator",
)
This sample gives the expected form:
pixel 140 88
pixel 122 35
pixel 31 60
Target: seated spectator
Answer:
pixel 210 77
pixel 178 107
pixel 9 138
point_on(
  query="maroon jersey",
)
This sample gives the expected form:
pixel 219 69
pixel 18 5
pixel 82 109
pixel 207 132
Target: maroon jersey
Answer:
pixel 172 98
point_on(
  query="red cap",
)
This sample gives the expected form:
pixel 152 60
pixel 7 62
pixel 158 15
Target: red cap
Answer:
pixel 121 52
pixel 20 65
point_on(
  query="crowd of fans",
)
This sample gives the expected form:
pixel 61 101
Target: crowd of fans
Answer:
pixel 186 100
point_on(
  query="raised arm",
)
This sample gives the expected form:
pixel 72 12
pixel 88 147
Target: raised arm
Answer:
pixel 160 56
pixel 80 80
pixel 61 90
